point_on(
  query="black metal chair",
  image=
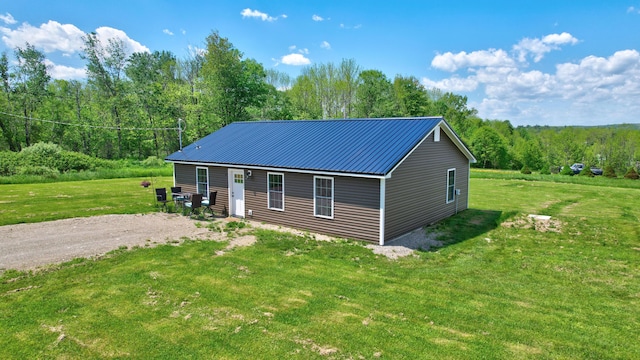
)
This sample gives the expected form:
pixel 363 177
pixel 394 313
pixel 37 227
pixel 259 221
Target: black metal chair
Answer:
pixel 177 196
pixel 195 203
pixel 210 202
pixel 161 197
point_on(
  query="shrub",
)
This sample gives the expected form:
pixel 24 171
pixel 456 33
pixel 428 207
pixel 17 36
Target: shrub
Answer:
pixel 69 160
pixel 525 170
pixel 9 163
pixel 555 169
pixel 545 170
pixel 587 172
pixel 609 172
pixel 566 170
pixel 40 154
pixel 152 161
pixel 632 174
pixel 40 170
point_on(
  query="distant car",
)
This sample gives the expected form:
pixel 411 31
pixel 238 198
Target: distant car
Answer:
pixel 596 171
pixel 577 167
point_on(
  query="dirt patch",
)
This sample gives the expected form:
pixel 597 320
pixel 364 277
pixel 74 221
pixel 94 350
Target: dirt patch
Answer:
pixel 540 223
pixel 405 245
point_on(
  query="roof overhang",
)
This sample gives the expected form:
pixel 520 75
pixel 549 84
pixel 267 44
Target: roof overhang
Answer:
pixel 277 169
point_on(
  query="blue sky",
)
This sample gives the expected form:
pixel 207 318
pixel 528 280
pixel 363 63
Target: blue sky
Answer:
pixel 537 62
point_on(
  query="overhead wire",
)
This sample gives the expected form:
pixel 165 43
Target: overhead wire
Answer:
pixel 89 125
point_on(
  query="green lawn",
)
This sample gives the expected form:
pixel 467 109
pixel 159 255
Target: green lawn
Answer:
pixel 568 291
pixel 28 203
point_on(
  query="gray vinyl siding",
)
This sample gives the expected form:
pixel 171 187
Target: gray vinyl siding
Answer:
pixel 356 205
pixel 416 193
pixel 185 176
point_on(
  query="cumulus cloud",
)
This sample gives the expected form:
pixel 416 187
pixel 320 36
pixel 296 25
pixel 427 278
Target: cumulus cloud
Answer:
pixel 295 59
pixel 51 36
pixel 539 47
pixel 66 38
pixel 325 45
pixel 317 18
pixel 65 72
pixel 576 92
pixel 8 19
pixel 452 62
pixel 105 33
pixel 248 13
pixel 168 32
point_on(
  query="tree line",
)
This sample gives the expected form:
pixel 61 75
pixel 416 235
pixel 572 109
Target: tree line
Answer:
pixel 129 106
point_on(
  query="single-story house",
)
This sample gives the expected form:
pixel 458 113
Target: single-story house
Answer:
pixel 367 179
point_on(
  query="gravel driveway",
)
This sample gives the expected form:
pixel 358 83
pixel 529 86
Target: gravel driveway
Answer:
pixel 29 246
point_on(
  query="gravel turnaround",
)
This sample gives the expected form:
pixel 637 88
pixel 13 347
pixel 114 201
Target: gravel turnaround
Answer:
pixel 29 246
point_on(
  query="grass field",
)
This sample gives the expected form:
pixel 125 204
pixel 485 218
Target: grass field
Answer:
pixel 498 289
pixel 28 203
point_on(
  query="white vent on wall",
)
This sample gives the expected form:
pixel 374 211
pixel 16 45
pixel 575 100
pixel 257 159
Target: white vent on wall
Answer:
pixel 436 134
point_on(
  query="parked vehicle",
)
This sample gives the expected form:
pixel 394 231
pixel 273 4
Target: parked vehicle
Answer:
pixel 577 167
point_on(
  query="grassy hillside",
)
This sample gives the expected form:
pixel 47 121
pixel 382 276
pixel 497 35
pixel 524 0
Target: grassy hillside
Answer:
pixel 502 286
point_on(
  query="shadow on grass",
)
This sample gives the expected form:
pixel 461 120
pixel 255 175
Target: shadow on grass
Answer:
pixel 467 224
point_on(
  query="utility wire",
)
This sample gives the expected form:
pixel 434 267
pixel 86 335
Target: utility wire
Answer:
pixel 88 125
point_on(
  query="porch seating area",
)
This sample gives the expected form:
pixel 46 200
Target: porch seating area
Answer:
pixel 187 203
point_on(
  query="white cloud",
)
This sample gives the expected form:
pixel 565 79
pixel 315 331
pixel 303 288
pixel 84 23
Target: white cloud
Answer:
pixel 325 45
pixel 51 36
pixel 248 13
pixel 105 33
pixel 295 59
pixel 591 90
pixel 317 18
pixel 8 19
pixel 454 84
pixel 65 72
pixel 168 32
pixel 483 58
pixel 304 51
pixel 539 47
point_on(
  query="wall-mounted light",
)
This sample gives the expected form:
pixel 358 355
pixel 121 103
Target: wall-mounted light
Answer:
pixel 249 173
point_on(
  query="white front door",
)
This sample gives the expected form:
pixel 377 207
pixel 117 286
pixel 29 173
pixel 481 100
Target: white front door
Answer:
pixel 236 179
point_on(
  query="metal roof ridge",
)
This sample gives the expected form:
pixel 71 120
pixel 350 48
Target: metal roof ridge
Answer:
pixel 337 120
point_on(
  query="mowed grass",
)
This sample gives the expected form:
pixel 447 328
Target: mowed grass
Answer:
pixel 28 203
pixel 498 289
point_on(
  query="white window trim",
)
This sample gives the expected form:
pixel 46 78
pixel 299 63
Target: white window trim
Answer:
pixel 449 201
pixel 333 196
pixel 269 192
pixel 206 195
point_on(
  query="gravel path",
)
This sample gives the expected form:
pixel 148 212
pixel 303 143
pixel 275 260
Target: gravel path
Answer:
pixel 29 246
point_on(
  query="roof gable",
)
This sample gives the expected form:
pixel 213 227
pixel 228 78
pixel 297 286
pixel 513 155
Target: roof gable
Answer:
pixel 356 146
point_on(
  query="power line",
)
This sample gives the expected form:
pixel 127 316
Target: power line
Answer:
pixel 88 125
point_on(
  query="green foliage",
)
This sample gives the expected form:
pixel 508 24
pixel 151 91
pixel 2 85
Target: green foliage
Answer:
pixel 586 172
pixel 152 161
pixel 489 148
pixel 631 174
pixel 609 172
pixel 39 170
pixel 546 170
pixel 566 170
pixel 525 170
pixel 9 163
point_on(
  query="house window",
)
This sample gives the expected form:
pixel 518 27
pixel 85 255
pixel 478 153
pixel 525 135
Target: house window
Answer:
pixel 451 185
pixel 275 191
pixel 323 196
pixel 202 180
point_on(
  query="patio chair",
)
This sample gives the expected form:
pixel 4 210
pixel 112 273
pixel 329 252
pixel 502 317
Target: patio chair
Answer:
pixel 161 197
pixel 210 202
pixel 176 191
pixel 195 203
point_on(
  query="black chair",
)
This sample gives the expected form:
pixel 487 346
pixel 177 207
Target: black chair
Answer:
pixel 176 191
pixel 195 203
pixel 210 202
pixel 161 197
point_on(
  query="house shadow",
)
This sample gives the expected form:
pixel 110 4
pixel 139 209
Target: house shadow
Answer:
pixel 465 225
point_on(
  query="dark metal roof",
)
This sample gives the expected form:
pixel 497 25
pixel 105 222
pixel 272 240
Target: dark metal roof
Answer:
pixel 356 146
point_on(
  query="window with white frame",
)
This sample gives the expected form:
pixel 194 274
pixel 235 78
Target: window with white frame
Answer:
pixel 323 196
pixel 275 191
pixel 202 181
pixel 451 185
